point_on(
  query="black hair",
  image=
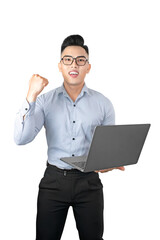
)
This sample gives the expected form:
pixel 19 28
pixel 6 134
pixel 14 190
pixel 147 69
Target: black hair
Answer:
pixel 74 40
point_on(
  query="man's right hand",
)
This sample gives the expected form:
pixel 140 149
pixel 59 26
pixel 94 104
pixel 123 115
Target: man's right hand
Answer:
pixel 36 85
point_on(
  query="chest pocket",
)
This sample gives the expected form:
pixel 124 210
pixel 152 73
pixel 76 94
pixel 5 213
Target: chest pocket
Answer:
pixel 87 126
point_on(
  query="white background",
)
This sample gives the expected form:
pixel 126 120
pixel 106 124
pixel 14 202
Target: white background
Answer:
pixel 124 43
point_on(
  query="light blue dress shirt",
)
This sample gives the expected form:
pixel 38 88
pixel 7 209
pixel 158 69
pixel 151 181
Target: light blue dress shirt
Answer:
pixel 69 125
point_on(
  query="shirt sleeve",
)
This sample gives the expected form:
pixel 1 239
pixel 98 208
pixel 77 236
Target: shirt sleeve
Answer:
pixel 109 113
pixel 26 129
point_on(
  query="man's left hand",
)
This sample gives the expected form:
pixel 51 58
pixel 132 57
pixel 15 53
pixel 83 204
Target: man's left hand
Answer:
pixel 110 169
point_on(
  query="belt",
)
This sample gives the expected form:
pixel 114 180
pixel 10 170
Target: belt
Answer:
pixel 64 171
pixel 67 171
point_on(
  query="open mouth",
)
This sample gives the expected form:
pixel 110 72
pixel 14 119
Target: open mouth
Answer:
pixel 73 74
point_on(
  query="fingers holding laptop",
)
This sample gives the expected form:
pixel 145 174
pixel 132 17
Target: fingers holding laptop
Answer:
pixel 110 169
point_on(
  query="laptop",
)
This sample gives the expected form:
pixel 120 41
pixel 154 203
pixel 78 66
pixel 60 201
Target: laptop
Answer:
pixel 112 146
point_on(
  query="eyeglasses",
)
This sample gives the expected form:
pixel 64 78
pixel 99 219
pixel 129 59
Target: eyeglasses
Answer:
pixel 80 60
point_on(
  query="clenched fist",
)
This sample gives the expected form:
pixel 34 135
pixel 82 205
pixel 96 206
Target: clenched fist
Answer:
pixel 36 85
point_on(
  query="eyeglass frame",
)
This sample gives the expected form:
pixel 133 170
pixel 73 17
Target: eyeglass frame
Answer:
pixel 87 60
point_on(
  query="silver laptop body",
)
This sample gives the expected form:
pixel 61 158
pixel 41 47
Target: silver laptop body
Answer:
pixel 112 146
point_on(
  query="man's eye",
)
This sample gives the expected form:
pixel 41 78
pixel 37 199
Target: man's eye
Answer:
pixel 81 60
pixel 67 59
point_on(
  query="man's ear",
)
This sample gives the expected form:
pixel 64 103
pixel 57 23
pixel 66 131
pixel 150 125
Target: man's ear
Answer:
pixel 60 67
pixel 89 68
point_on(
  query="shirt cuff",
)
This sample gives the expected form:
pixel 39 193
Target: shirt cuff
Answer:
pixel 27 108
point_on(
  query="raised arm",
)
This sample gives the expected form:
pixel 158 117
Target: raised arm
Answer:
pixel 30 118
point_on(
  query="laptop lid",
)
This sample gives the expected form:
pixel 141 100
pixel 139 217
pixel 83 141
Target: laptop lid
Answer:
pixel 115 146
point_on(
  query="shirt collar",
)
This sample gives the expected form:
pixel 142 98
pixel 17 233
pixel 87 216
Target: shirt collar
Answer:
pixel 61 89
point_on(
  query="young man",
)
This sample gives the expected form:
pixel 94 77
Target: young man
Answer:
pixel 69 114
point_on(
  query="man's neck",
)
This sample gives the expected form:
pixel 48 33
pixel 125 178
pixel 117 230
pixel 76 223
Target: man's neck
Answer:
pixel 73 90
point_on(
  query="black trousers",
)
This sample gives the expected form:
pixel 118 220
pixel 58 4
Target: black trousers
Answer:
pixel 60 189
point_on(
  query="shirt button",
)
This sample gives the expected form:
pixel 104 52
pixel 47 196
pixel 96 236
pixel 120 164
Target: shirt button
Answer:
pixel 73 121
pixel 73 138
pixel 26 109
pixel 74 105
pixel 72 155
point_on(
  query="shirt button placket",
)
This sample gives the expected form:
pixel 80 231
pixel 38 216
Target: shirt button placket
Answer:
pixel 74 130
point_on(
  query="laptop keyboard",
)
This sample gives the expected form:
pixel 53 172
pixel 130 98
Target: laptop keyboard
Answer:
pixel 79 164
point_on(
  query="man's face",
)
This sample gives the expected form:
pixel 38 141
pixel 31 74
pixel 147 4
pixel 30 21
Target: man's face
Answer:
pixel 74 74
